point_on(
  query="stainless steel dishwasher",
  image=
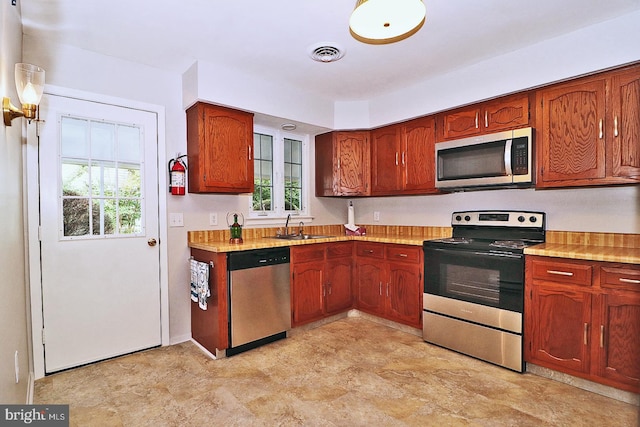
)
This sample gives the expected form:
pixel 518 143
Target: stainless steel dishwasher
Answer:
pixel 259 298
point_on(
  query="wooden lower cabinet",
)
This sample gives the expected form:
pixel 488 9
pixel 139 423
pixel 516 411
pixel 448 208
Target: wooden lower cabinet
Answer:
pixel 389 281
pixel 320 281
pixel 583 318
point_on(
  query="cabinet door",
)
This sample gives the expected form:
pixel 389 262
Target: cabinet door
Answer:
pixel 624 122
pixel 618 349
pixel 307 292
pixel 571 137
pixel 418 156
pixel 219 145
pixel 505 113
pixel 338 285
pixel 369 285
pixel 352 167
pixel 385 160
pixel 461 123
pixel 404 293
pixel 326 155
pixel 560 337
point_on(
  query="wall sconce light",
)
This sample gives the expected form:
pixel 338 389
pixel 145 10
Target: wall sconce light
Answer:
pixel 30 85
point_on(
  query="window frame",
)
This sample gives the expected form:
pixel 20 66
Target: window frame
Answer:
pixel 278 213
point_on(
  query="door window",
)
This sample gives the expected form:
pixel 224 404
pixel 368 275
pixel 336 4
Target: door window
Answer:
pixel 101 171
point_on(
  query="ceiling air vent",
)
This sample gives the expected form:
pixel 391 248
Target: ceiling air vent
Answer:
pixel 325 52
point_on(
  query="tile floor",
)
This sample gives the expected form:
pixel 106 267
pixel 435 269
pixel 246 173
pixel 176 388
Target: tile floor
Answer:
pixel 351 372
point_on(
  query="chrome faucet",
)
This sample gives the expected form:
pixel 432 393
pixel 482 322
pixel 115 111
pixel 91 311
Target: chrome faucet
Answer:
pixel 300 230
pixel 286 225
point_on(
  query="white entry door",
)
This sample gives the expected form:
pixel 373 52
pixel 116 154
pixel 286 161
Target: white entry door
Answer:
pixel 99 227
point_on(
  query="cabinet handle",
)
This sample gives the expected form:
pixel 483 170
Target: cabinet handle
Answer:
pixel 338 163
pixel 380 289
pixel 476 120
pixel 329 286
pixel 396 158
pixel 601 336
pixel 615 126
pixel 486 119
pixel 324 290
pixel 368 251
pixel 387 289
pixel 634 281
pixel 250 153
pixel 600 129
pixel 560 273
pixel 402 255
pixel 403 162
pixel 586 333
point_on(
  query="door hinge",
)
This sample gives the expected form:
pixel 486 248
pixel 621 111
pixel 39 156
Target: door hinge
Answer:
pixel 40 233
pixel 42 336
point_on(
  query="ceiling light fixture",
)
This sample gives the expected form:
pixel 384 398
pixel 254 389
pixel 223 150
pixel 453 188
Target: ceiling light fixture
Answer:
pixel 30 85
pixel 386 21
pixel 288 126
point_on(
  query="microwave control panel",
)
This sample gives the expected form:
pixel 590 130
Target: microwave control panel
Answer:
pixel 520 156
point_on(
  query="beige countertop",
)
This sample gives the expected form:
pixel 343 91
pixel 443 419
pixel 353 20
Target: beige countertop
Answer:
pixel 609 247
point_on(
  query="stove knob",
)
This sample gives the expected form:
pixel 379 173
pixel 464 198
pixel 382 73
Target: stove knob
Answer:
pixel 458 218
pixel 467 218
pixel 533 219
pixel 521 218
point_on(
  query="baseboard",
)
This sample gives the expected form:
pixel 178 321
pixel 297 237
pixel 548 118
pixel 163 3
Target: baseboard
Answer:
pixel 180 339
pixel 31 384
pixel 204 350
pixel 601 389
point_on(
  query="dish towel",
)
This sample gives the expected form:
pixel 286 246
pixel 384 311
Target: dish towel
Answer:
pixel 200 290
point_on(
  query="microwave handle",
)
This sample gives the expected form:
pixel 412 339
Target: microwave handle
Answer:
pixel 507 157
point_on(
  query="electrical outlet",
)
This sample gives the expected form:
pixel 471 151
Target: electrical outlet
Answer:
pixel 376 216
pixel 176 220
pixel 213 218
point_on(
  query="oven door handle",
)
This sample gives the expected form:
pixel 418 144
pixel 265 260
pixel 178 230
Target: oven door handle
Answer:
pixel 500 254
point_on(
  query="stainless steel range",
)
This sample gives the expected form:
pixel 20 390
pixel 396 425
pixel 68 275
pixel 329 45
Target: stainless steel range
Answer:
pixel 474 284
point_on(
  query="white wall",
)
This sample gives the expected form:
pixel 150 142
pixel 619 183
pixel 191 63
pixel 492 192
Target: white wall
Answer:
pixel 14 335
pixel 610 209
pixel 598 47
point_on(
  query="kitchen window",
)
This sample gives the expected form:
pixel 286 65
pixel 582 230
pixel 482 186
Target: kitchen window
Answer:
pixel 280 174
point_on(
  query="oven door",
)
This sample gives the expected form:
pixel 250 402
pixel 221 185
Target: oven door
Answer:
pixel 493 278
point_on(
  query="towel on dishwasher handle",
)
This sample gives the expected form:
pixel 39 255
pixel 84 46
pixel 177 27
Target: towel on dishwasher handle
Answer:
pixel 203 285
pixel 199 283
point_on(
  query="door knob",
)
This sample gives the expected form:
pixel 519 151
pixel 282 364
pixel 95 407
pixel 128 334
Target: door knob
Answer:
pixel 152 242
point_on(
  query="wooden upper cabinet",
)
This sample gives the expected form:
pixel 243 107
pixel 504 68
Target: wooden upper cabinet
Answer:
pixel 505 113
pixel 588 131
pixel 386 147
pixel 625 117
pixel 418 156
pixel 219 149
pixel 570 137
pixel 402 158
pixel 342 164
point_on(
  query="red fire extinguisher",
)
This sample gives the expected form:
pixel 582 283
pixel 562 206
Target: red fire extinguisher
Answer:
pixel 177 176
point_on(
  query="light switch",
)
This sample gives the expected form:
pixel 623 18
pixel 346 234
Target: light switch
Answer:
pixel 213 218
pixel 176 219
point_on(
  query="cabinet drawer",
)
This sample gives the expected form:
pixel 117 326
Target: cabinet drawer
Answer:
pixel 620 278
pixel 563 272
pixel 370 250
pixel 305 253
pixel 403 253
pixel 339 250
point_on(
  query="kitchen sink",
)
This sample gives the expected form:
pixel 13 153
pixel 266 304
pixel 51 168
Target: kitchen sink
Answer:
pixel 300 236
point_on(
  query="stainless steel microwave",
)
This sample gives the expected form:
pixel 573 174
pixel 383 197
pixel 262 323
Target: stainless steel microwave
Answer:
pixel 498 159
